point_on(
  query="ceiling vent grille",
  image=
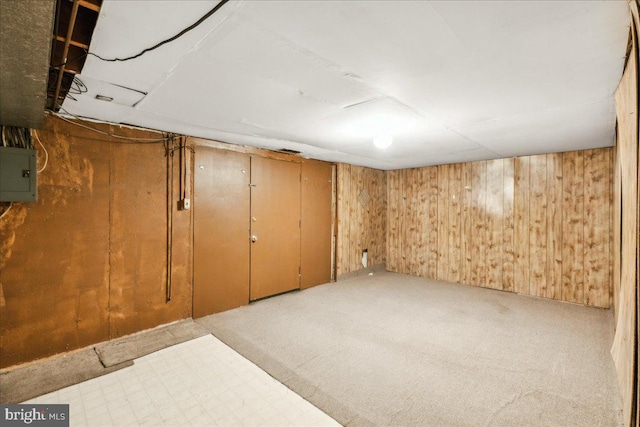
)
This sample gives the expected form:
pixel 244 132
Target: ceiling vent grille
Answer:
pixel 288 151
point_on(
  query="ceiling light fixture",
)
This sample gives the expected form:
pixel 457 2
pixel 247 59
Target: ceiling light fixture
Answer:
pixel 383 141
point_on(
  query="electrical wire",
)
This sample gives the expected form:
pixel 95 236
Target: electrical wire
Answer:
pixel 6 210
pixel 76 87
pixel 94 129
pixel 77 58
pixel 183 167
pixel 79 87
pixel 46 153
pixel 182 148
pixel 170 164
pixel 16 137
pixel 169 40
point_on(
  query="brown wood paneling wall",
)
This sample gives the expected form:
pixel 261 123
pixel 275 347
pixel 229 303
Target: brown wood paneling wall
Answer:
pixel 598 165
pixel 344 212
pixel 442 229
pixel 626 228
pixel 395 214
pixel 87 262
pixel 362 217
pixel 538 209
pixel 466 217
pixel 48 303
pixel 536 225
pixel 138 243
pixel 478 223
pixel 521 245
pixel 573 230
pixel 508 235
pixel 432 248
pixel 495 223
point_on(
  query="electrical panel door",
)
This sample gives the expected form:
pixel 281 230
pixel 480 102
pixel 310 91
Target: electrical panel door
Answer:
pixel 18 175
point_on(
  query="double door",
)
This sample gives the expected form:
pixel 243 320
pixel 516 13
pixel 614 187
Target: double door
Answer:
pixel 247 220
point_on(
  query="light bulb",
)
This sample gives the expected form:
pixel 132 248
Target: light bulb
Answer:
pixel 382 141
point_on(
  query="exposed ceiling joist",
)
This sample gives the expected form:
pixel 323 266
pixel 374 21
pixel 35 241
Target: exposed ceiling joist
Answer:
pixel 74 25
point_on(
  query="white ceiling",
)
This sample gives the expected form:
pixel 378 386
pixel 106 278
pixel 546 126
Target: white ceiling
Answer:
pixel 451 81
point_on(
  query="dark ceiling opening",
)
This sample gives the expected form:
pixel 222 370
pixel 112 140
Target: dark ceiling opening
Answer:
pixel 75 21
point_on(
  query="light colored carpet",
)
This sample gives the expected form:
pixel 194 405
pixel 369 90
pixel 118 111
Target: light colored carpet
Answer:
pixel 390 349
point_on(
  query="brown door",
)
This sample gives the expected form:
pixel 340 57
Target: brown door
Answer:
pixel 315 262
pixel 275 227
pixel 221 229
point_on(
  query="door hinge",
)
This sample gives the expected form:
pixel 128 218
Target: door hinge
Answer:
pixel 299 223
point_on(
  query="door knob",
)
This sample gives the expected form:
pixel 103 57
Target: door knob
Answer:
pixel 254 238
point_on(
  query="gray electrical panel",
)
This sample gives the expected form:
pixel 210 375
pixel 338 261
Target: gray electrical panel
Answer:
pixel 18 175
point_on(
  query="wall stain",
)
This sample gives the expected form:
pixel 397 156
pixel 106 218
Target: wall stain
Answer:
pixel 87 262
pixel 10 224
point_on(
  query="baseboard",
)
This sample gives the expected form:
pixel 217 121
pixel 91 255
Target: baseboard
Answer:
pixel 362 272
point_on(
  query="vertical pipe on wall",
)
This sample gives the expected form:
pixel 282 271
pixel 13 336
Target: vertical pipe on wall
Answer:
pixel 170 148
pixel 334 222
pixel 187 167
